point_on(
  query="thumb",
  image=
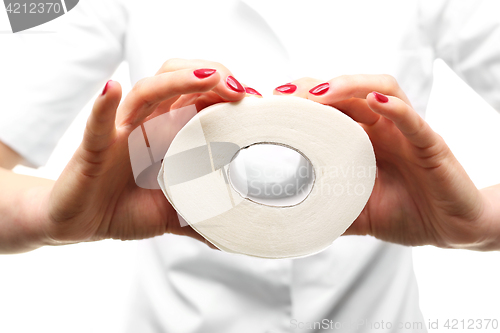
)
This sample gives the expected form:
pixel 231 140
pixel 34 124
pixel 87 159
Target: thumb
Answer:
pixel 70 195
pixel 404 117
pixel 100 131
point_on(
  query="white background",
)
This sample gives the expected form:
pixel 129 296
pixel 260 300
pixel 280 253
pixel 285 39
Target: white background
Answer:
pixel 86 287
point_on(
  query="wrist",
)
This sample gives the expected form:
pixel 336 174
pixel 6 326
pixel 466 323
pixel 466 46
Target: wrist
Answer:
pixel 490 218
pixel 481 230
pixel 34 204
pixel 21 227
pixel 42 225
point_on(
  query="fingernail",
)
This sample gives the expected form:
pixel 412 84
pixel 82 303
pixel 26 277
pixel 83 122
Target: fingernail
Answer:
pixel 252 91
pixel 320 89
pixel 380 98
pixel 234 84
pixel 204 72
pixel 287 88
pixel 106 87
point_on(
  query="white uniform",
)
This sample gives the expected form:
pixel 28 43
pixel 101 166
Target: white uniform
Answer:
pixel 359 282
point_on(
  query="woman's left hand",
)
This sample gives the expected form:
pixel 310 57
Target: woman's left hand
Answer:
pixel 422 195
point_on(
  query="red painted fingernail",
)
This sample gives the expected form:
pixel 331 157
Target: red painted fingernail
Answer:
pixel 287 88
pixel 234 84
pixel 320 89
pixel 380 98
pixel 204 72
pixel 106 87
pixel 252 91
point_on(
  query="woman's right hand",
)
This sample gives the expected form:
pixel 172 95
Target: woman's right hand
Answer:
pixel 96 196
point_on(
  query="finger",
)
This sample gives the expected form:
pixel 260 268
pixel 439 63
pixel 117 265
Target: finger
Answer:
pixel 100 133
pixel 356 86
pixel 190 232
pixel 347 93
pixel 229 88
pixel 149 93
pixel 407 120
pixel 360 226
pixel 251 92
pixel 203 100
pixel 100 130
pixel 298 88
pixel 358 110
pixel 200 101
pixel 354 229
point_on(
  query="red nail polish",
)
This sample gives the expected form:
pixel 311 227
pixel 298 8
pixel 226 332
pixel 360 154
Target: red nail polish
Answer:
pixel 252 91
pixel 234 84
pixel 380 98
pixel 287 88
pixel 105 88
pixel 204 72
pixel 320 89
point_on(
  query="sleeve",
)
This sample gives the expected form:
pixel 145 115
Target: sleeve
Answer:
pixel 49 74
pixel 466 35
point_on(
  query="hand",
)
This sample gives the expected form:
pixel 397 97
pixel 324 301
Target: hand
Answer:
pixel 96 196
pixel 422 195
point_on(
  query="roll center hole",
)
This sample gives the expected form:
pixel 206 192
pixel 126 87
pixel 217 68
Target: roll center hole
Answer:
pixel 271 174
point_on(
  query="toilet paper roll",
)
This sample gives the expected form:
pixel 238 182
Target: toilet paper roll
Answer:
pixel 195 175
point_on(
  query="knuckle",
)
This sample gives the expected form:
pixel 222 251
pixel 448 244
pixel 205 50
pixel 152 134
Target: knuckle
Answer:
pixel 138 86
pixel 141 92
pixel 219 67
pixel 434 152
pixel 347 81
pixel 390 81
pixel 441 144
pixel 209 64
pixel 170 63
pixel 307 80
pixel 343 79
pixel 218 64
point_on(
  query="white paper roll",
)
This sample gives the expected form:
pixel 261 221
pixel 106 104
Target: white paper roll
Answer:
pixel 194 175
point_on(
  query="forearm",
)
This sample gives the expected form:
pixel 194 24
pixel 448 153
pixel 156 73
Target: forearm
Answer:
pixel 22 199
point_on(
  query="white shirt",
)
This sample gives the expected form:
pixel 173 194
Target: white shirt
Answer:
pixel 183 285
